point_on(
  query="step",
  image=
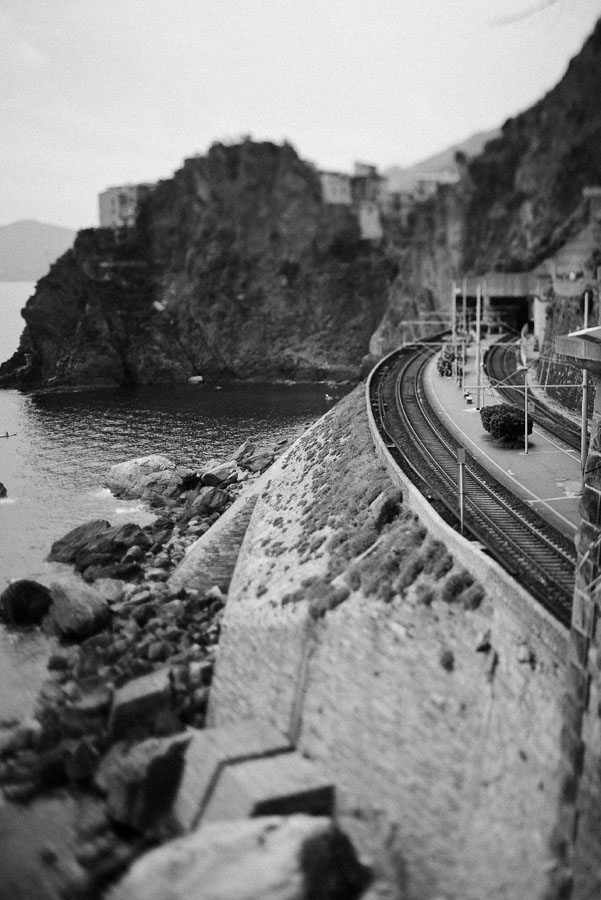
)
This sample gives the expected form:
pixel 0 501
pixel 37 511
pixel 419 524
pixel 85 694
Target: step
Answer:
pixel 212 750
pixel 276 785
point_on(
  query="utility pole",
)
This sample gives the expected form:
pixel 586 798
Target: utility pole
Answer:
pixel 525 409
pixel 461 478
pixel 584 422
pixel 454 327
pixel 478 312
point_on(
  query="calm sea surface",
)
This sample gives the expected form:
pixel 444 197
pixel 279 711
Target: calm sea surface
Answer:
pixel 63 444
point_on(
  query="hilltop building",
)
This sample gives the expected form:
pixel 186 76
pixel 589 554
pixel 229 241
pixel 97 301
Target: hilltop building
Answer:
pixel 372 198
pixel 362 191
pixel 118 206
pixel 396 206
pixel 336 188
pixel 429 182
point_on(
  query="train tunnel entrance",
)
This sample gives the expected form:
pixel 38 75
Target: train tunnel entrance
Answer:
pixel 498 313
pixel 511 312
pixel 507 299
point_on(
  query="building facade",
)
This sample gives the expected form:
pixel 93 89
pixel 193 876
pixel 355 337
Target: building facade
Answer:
pixel 118 206
pixel 336 188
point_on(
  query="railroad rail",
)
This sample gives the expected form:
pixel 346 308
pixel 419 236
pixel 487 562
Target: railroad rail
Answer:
pixel 500 365
pixel 529 548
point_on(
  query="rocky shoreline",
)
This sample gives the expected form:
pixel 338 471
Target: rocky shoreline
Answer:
pixel 132 673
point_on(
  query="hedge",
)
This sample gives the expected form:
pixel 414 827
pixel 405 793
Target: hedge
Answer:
pixel 504 422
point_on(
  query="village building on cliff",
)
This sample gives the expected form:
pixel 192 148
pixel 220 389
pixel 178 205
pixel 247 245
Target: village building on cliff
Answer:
pixel 118 206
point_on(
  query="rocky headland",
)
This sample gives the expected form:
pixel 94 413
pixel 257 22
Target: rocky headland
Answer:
pixel 235 268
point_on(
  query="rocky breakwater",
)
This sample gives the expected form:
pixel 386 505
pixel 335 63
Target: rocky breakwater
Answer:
pixel 128 685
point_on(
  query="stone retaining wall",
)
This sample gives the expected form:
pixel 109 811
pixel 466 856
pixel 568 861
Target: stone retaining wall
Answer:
pixel 438 718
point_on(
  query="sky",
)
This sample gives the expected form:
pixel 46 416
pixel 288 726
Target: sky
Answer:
pixel 106 92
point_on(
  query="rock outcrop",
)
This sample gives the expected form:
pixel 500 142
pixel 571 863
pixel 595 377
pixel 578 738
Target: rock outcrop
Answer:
pixel 236 267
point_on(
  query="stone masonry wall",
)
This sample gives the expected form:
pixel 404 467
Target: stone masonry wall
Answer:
pixel 435 708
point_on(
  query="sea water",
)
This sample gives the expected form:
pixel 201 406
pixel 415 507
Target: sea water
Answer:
pixel 62 444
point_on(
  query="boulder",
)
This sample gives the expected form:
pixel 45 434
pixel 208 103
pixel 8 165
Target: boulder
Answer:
pixel 280 858
pixel 112 589
pixel 24 602
pixel 3 491
pixel 162 485
pixel 140 781
pixel 258 462
pixel 86 713
pixel 207 500
pixel 141 705
pixel 245 449
pixel 110 545
pixel 66 548
pixel 222 474
pixel 77 609
pixel 123 571
pixel 153 474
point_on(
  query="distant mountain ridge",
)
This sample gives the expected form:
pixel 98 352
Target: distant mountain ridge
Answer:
pixel 405 179
pixel 28 248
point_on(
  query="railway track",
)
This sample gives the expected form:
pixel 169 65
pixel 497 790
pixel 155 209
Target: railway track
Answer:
pixel 529 548
pixel 500 365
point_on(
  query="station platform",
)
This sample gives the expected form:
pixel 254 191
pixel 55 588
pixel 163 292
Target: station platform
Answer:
pixel 548 477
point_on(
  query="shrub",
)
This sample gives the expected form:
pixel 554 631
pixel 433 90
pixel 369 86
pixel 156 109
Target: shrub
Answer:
pixel 504 422
pixel 445 361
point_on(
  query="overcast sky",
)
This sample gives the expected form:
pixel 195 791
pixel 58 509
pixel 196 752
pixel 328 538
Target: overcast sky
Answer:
pixel 101 92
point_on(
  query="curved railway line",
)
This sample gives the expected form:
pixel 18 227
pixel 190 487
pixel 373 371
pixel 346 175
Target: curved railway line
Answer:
pixel 529 548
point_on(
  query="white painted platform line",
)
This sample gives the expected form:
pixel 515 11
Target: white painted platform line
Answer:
pixel 553 499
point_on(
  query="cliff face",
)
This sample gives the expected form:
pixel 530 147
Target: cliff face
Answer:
pixel 525 189
pixel 426 260
pixel 516 203
pixel 235 267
